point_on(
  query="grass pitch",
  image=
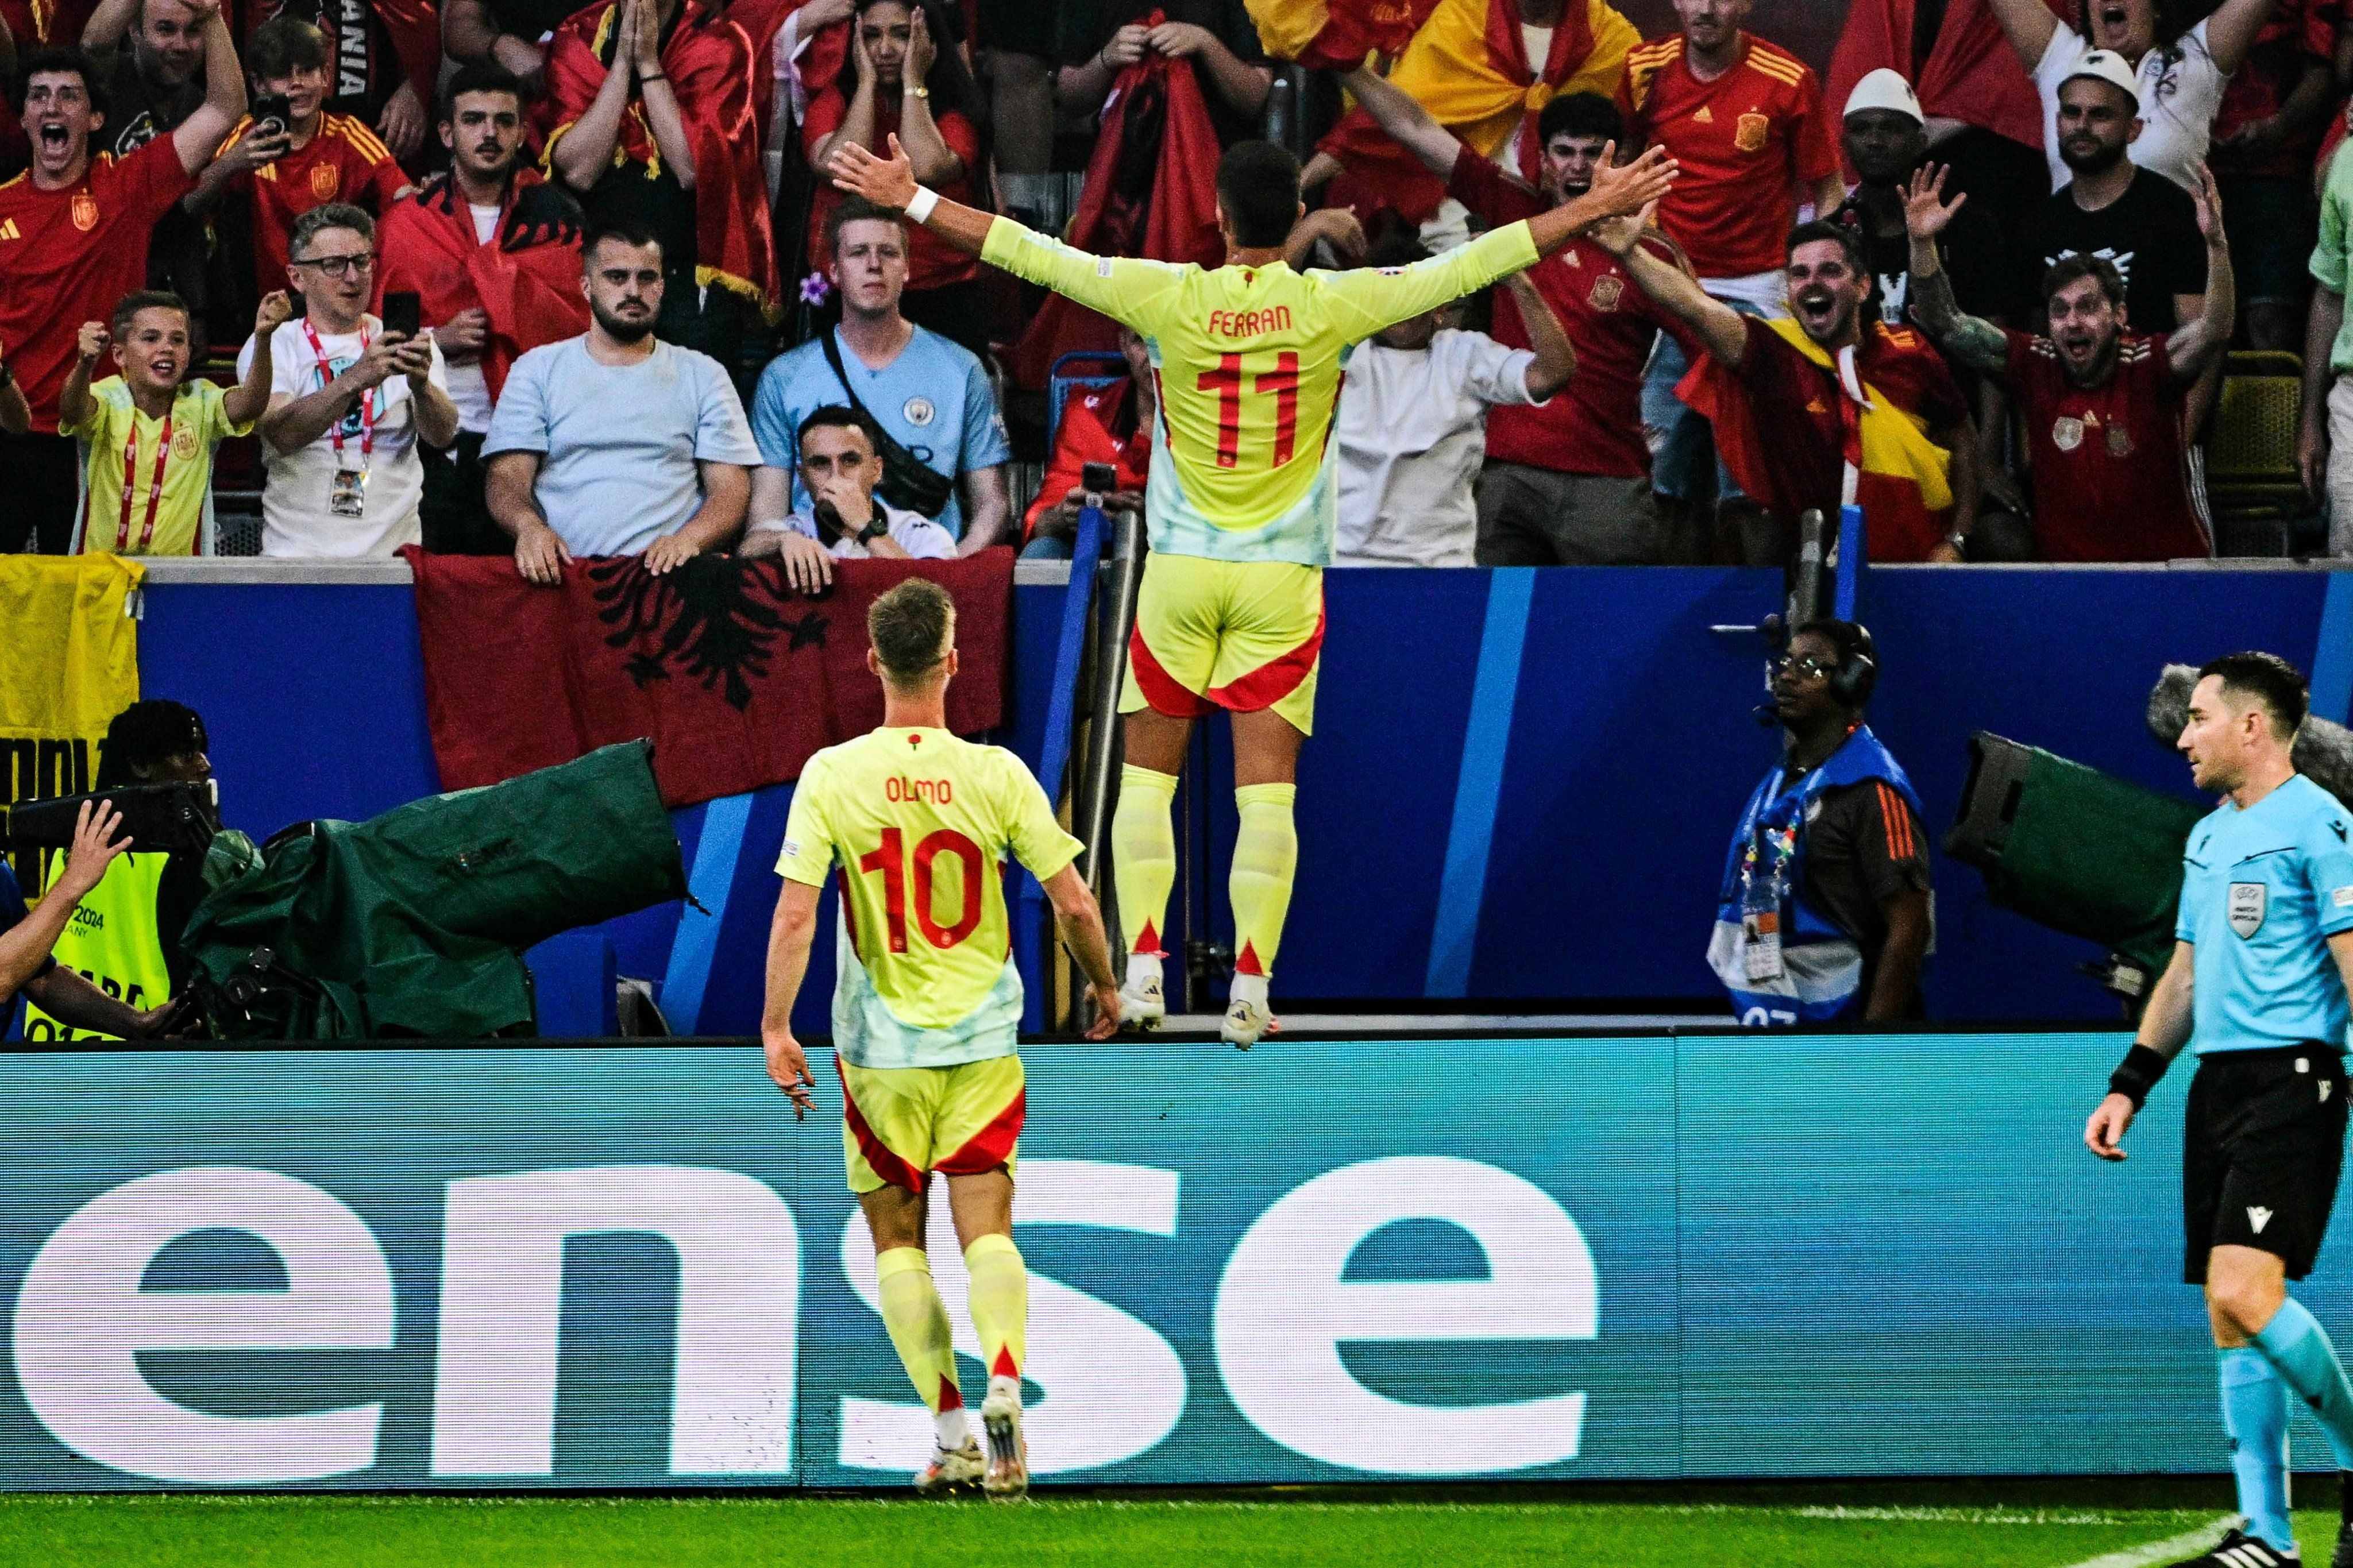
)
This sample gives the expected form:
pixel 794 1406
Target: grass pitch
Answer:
pixel 2120 1524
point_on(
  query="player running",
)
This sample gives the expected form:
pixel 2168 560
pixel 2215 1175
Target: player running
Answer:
pixel 2261 961
pixel 1240 504
pixel 925 1007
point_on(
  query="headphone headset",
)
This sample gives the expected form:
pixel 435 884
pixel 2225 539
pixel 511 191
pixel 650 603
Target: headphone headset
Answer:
pixel 1858 673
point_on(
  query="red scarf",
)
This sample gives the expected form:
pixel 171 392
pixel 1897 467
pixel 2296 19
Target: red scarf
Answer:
pixel 527 278
pixel 710 63
pixel 1162 205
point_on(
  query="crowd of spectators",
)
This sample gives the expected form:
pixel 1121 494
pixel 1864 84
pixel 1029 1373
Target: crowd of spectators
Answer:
pixel 554 282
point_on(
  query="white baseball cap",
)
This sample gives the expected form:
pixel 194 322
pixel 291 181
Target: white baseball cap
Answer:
pixel 1883 88
pixel 2107 66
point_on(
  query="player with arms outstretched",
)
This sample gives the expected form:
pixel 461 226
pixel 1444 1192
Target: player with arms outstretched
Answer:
pixel 916 823
pixel 1240 504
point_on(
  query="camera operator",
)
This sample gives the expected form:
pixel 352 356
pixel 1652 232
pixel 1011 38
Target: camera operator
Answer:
pixel 112 957
pixel 1824 913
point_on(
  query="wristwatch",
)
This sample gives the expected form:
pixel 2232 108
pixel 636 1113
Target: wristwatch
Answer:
pixel 873 530
pixel 1958 540
pixel 920 91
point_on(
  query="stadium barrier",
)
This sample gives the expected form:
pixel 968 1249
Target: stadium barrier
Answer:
pixel 1542 765
pixel 1659 1255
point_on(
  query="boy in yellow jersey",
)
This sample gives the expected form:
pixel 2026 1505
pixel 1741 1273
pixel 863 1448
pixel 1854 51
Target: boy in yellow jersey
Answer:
pixel 916 823
pixel 1240 505
pixel 148 435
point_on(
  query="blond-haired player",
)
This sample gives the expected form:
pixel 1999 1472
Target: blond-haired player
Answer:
pixel 1240 503
pixel 916 823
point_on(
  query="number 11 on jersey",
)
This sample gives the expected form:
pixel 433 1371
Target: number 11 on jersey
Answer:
pixel 1275 373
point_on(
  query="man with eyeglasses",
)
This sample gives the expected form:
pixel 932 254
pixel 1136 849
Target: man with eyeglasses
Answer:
pixel 352 401
pixel 1824 914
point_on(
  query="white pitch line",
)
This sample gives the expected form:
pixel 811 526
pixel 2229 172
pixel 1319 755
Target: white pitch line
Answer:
pixel 2188 1541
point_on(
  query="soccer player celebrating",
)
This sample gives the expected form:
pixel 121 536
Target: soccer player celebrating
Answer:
pixel 2262 959
pixel 1240 505
pixel 926 1006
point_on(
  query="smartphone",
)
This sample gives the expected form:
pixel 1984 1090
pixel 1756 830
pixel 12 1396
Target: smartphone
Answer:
pixel 401 313
pixel 273 114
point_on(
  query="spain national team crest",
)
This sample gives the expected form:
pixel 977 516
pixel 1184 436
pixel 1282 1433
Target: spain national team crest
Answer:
pixel 1748 134
pixel 2248 902
pixel 2120 441
pixel 324 181
pixel 85 211
pixel 184 444
pixel 2067 432
pixel 1606 292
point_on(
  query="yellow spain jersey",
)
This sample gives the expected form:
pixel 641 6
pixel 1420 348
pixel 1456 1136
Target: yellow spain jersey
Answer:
pixel 166 522
pixel 915 826
pixel 1249 361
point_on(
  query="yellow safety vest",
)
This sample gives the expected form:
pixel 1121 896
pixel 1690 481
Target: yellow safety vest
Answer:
pixel 112 941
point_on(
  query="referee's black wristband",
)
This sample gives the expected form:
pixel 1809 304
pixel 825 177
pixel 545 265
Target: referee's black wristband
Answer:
pixel 2138 1074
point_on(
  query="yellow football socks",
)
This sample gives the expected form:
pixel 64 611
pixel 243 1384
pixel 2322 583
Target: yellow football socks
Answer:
pixel 918 1322
pixel 1000 1303
pixel 1266 853
pixel 1143 855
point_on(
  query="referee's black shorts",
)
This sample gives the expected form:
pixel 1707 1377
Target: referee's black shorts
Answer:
pixel 2262 1143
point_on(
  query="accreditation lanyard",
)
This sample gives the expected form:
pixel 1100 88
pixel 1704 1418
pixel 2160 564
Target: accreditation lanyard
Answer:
pixel 367 399
pixel 130 482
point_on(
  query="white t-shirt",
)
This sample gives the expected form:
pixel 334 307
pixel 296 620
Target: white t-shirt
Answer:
pixel 1412 428
pixel 912 532
pixel 296 519
pixel 469 388
pixel 2178 101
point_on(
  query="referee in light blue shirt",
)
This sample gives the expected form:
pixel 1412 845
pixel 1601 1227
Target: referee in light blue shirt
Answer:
pixel 2261 960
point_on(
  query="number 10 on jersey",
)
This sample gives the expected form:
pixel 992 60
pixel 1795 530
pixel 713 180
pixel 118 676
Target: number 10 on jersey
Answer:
pixel 1267 374
pixel 890 857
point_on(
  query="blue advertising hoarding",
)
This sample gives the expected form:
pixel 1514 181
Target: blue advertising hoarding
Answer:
pixel 1612 1257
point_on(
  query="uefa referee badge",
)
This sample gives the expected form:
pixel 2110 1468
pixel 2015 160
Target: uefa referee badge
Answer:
pixel 2248 902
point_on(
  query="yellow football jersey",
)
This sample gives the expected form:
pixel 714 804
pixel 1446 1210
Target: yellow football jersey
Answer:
pixel 1249 361
pixel 915 826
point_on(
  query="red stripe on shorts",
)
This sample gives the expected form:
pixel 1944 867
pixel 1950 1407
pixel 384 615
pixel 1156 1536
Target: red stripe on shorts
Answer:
pixel 887 1166
pixel 1275 679
pixel 1167 694
pixel 992 1145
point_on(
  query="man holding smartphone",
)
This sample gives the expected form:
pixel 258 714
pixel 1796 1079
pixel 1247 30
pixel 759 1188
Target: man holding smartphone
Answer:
pixel 352 398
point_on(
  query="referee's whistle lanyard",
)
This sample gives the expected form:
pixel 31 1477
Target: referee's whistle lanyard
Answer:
pixel 367 401
pixel 131 483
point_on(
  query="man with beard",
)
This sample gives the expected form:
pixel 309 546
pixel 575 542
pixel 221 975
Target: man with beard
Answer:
pixel 1567 482
pixel 2100 406
pixel 73 242
pixel 615 443
pixel 493 252
pixel 156 49
pixel 1783 395
pixel 2132 217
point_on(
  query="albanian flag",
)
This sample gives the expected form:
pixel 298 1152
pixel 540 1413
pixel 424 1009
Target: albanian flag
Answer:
pixel 709 61
pixel 526 279
pixel 1469 67
pixel 1971 74
pixel 733 676
pixel 1151 191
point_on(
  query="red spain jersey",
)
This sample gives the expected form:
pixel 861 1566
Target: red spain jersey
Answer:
pixel 1748 145
pixel 2111 480
pixel 68 256
pixel 1594 425
pixel 343 163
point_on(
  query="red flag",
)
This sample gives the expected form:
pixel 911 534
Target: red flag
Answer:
pixel 710 64
pixel 734 677
pixel 1971 75
pixel 527 278
pixel 1151 190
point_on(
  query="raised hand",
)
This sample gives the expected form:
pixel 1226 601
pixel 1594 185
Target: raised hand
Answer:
pixel 1618 235
pixel 886 182
pixel 94 849
pixel 921 51
pixel 92 340
pixel 2209 202
pixel 1925 212
pixel 1631 187
pixel 277 309
pixel 859 57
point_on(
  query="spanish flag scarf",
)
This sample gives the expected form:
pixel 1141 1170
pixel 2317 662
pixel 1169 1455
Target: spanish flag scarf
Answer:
pixel 1894 471
pixel 1469 67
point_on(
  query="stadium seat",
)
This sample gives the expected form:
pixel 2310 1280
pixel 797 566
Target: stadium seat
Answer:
pixel 1109 368
pixel 2252 482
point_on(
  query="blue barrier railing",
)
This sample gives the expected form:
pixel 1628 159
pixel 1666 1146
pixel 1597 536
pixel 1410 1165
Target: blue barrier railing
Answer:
pixel 1054 752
